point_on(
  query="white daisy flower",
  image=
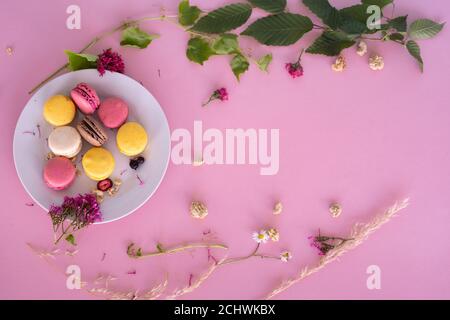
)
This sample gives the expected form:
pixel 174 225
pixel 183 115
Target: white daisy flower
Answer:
pixel 285 256
pixel 260 237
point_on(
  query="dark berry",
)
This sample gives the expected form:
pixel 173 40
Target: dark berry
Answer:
pixel 134 164
pixel 141 160
pixel 104 185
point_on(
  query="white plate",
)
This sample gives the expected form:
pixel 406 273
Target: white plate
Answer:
pixel 30 151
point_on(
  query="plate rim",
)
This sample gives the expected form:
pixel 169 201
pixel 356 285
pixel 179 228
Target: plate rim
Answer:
pixel 167 160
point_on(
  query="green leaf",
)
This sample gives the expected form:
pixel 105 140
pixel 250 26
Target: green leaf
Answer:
pixel 159 247
pixel 239 64
pixel 224 19
pixel 380 3
pixel 187 14
pixel 264 61
pixel 227 43
pixel 272 6
pixel 354 19
pixel 414 50
pixel 139 252
pixel 280 29
pixel 78 61
pixel 71 239
pixel 199 50
pixel 399 23
pixel 326 12
pixel 424 29
pixel 396 36
pixel 135 37
pixel 330 43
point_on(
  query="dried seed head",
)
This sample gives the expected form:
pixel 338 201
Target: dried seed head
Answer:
pixel 361 48
pixel 285 256
pixel 335 210
pixel 376 62
pixel 339 65
pixel 99 195
pixel 198 210
pixel 198 162
pixel 50 155
pixel 277 208
pixel 273 234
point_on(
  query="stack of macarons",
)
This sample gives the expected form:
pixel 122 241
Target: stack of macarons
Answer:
pixel 65 141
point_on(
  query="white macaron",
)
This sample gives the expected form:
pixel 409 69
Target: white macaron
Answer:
pixel 65 141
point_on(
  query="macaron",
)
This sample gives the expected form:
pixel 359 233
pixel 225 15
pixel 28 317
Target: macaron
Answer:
pixel 85 98
pixel 98 163
pixel 131 139
pixel 59 110
pixel 113 112
pixel 59 173
pixel 65 141
pixel 92 131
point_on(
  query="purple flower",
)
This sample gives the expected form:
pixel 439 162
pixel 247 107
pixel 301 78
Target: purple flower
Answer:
pixel 109 60
pixel 295 69
pixel 219 94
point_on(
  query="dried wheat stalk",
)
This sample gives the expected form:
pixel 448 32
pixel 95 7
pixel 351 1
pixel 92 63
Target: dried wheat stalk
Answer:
pixel 358 234
pixel 191 287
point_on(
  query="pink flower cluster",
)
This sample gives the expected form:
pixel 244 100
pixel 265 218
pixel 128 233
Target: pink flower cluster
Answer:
pixel 294 69
pixel 82 210
pixel 219 94
pixel 111 61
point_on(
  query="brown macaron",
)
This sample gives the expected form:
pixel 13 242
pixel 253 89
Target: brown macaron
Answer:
pixel 92 131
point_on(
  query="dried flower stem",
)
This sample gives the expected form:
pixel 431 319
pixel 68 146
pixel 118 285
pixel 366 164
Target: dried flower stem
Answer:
pixel 132 253
pixel 251 255
pixel 359 233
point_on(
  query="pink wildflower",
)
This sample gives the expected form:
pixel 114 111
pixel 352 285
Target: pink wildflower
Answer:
pixel 111 61
pixel 219 94
pixel 295 69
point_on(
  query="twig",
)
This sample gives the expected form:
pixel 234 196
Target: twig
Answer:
pixel 132 253
pixel 94 41
pixel 359 233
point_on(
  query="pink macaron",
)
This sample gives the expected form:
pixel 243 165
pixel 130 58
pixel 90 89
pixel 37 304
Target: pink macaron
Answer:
pixel 113 112
pixel 59 173
pixel 85 98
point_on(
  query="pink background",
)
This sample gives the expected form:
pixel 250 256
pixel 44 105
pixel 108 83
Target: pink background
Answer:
pixel 361 138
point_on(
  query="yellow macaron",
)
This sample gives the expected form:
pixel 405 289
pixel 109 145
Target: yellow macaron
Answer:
pixel 131 139
pixel 59 110
pixel 98 163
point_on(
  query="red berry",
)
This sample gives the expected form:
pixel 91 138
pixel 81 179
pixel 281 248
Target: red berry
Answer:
pixel 104 185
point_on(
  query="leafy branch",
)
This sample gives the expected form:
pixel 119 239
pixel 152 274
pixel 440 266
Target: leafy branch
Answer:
pixel 211 32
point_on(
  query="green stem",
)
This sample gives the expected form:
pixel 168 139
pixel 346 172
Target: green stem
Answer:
pixel 162 251
pixel 96 40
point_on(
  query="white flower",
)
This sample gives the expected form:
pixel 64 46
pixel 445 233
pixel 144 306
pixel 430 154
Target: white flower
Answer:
pixel 260 237
pixel 361 48
pixel 285 256
pixel 278 208
pixel 376 63
pixel 339 65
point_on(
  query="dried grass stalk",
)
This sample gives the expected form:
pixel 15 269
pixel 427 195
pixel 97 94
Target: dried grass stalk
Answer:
pixel 197 283
pixel 358 234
